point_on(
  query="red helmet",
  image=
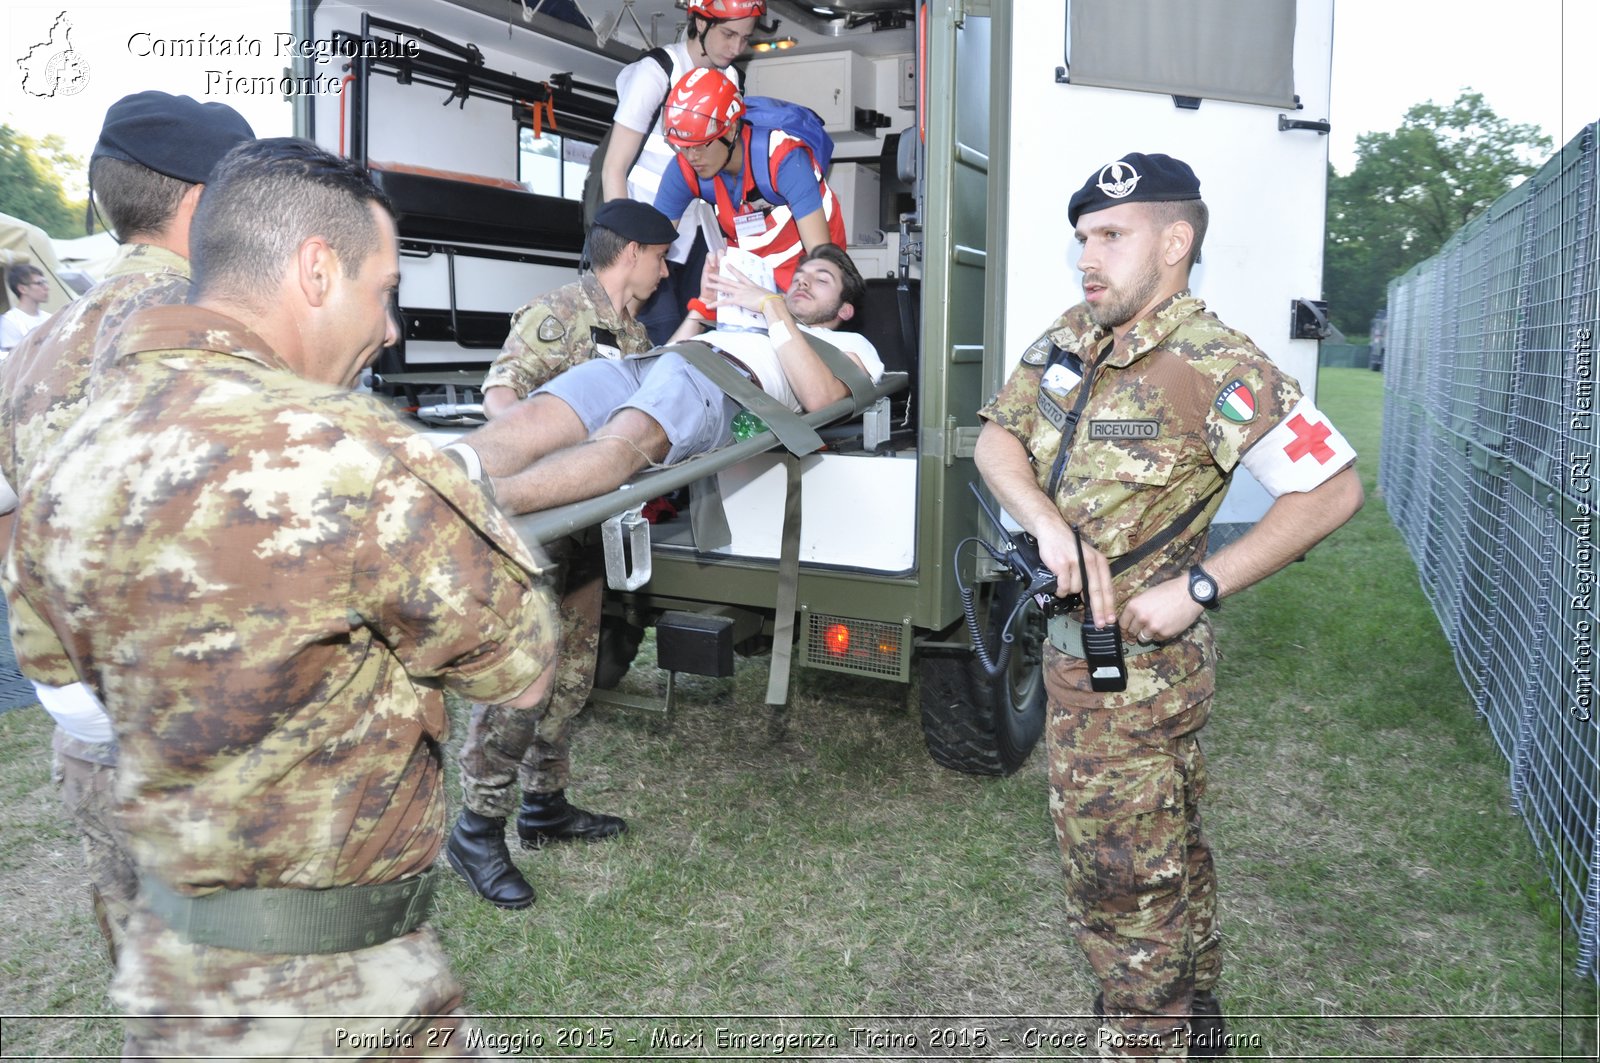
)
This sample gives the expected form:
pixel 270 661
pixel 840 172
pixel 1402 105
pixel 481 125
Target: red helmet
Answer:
pixel 726 9
pixel 701 107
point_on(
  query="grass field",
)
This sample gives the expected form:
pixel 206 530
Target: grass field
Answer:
pixel 1378 896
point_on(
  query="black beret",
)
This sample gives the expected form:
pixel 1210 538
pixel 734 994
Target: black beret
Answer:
pixel 1134 178
pixel 172 135
pixel 639 222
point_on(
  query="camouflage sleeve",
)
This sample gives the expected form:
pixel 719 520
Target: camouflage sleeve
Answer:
pixel 40 655
pixel 1249 396
pixel 538 348
pixel 1016 406
pixel 449 587
pixel 1260 418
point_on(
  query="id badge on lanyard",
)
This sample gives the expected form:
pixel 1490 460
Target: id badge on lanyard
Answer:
pixel 749 224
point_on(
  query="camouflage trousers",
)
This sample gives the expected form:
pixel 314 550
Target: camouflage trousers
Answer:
pixel 185 1001
pixel 1126 778
pixel 88 794
pixel 503 743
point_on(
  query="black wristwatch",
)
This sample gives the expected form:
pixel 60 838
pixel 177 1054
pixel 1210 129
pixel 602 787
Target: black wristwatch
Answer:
pixel 1203 587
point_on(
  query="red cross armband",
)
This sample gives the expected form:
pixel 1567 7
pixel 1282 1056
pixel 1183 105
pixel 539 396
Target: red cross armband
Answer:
pixel 1302 452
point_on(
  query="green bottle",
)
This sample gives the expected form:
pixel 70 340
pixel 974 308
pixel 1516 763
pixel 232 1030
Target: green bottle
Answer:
pixel 747 424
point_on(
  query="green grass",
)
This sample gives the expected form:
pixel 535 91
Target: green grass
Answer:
pixel 1378 896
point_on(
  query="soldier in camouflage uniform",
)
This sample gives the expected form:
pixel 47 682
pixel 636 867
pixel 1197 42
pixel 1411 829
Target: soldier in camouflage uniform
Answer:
pixel 1125 421
pixel 147 170
pixel 269 580
pixel 589 318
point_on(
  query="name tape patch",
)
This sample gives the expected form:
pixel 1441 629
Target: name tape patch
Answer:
pixel 1124 429
pixel 1052 411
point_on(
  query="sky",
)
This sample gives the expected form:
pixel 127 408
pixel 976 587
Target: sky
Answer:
pixel 1533 60
pixel 1530 59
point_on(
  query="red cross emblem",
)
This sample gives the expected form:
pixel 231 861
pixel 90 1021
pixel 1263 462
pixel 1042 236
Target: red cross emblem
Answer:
pixel 1309 439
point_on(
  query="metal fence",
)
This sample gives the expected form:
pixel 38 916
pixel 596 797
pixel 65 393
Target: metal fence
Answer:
pixel 1488 467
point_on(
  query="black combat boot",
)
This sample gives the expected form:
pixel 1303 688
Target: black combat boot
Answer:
pixel 1206 1028
pixel 546 818
pixel 477 850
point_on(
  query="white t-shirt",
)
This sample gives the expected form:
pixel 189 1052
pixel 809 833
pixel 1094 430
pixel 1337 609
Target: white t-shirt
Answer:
pixel 755 350
pixel 641 98
pixel 15 325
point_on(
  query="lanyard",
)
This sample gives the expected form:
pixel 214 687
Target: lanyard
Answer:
pixel 725 209
pixel 1071 425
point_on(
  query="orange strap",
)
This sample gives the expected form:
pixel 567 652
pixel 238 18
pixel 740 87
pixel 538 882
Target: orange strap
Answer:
pixel 542 111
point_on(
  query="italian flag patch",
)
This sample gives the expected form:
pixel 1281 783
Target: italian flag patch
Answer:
pixel 1237 403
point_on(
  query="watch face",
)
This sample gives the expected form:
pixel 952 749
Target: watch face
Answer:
pixel 1203 589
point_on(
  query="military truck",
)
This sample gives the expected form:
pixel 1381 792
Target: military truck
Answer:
pixel 961 128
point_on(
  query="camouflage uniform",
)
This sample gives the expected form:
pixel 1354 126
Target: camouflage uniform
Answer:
pixel 293 577
pixel 549 336
pixel 1126 770
pixel 558 331
pixel 45 384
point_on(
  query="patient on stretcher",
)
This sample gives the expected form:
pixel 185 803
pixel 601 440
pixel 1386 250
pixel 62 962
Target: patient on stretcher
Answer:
pixel 590 429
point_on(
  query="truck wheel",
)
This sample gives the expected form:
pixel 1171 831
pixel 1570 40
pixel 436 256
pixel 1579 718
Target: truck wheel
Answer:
pixel 619 645
pixel 978 724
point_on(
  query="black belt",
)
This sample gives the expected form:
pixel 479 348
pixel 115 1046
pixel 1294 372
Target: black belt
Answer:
pixel 294 921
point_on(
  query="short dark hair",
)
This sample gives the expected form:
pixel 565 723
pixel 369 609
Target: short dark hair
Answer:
pixel 605 246
pixel 854 288
pixel 135 200
pixel 266 198
pixel 1193 211
pixel 20 274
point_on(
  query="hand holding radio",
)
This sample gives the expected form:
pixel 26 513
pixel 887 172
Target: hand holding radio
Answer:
pixel 1059 549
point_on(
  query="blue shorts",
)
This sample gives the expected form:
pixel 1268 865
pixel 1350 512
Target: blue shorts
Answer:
pixel 694 412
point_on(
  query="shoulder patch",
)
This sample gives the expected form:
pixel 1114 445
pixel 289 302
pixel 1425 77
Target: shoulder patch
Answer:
pixel 1038 353
pixel 1237 402
pixel 551 329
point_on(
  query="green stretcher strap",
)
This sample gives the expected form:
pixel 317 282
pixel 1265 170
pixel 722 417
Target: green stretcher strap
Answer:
pixel 708 518
pixel 862 389
pixel 796 436
pixel 788 587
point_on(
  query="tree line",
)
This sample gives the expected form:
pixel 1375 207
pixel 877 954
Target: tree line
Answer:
pixel 1410 190
pixel 32 182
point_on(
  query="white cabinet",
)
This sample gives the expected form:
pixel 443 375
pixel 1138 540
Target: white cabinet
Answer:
pixel 833 84
pixel 857 187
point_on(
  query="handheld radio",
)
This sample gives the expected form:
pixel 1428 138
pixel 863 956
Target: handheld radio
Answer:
pixel 1021 553
pixel 1102 646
